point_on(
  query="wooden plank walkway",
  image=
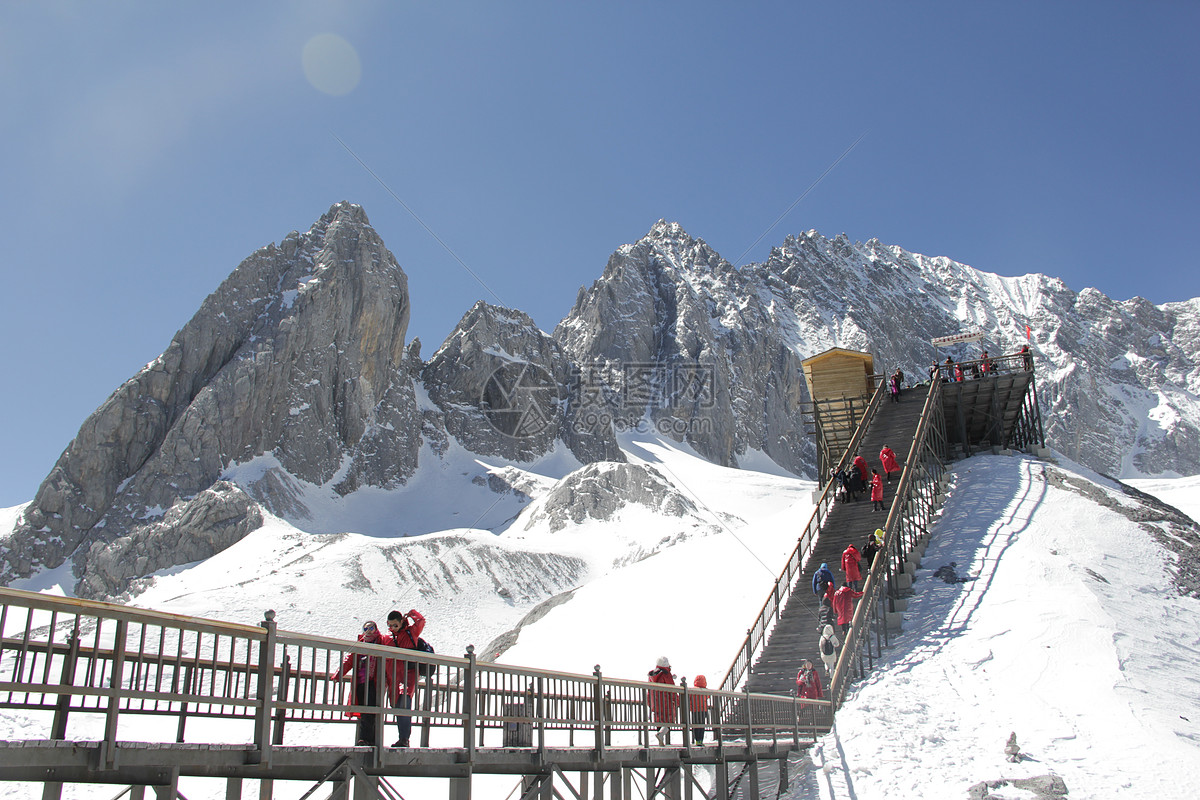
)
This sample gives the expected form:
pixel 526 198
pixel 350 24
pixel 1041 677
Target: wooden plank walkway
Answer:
pixel 795 636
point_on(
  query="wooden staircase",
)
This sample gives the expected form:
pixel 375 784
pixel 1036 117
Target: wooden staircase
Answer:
pixel 795 636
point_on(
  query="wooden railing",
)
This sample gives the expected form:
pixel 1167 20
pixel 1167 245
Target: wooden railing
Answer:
pixel 81 661
pixel 913 507
pixel 772 608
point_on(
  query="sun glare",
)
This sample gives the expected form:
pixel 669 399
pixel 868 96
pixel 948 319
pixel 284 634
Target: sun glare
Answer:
pixel 331 64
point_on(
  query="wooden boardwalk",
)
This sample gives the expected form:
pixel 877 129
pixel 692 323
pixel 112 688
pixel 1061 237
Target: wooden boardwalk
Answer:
pixel 795 636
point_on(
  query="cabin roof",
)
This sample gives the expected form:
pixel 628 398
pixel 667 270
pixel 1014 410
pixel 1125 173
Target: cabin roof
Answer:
pixel 839 351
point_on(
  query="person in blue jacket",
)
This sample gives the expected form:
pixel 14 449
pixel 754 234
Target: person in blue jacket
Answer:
pixel 822 576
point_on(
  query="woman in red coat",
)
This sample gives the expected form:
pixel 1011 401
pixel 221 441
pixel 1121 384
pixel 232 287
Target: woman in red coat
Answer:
pixel 363 669
pixel 663 704
pixel 850 559
pixel 876 491
pixel 808 682
pixel 402 675
pixel 887 457
pixel 843 606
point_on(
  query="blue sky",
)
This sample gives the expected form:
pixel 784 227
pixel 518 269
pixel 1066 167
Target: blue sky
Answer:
pixel 149 147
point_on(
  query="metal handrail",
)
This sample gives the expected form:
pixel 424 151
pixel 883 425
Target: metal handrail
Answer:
pixel 768 615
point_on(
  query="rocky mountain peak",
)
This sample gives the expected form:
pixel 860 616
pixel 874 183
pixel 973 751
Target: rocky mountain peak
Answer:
pixel 297 354
pixel 293 379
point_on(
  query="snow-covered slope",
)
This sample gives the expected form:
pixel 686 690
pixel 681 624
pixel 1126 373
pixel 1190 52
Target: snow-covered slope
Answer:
pixel 328 583
pixel 1065 626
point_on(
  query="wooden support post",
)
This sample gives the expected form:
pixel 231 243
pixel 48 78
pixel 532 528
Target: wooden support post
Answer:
pixel 721 784
pixel 599 712
pixel 341 784
pixel 460 788
pixel 280 696
pixel 58 728
pixel 366 787
pixel 170 790
pixel 540 712
pixel 266 693
pixel 114 701
pixel 233 789
pixel 472 713
pixel 672 787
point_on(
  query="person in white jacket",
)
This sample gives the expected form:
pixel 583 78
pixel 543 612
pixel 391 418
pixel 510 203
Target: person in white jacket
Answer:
pixel 829 647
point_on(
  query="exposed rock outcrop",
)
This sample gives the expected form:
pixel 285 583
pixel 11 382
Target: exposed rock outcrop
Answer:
pixel 191 530
pixel 710 354
pixel 673 333
pixel 598 491
pixel 298 353
pixel 504 388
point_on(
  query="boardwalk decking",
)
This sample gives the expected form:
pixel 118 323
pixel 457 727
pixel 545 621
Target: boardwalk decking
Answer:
pixel 795 636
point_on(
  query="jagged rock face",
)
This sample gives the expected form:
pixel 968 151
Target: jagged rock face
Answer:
pixel 191 530
pixel 1117 382
pixel 298 353
pixel 300 356
pixel 503 388
pixel 598 491
pixel 673 333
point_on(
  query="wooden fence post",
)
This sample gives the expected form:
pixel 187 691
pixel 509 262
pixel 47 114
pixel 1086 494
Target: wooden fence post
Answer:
pixel 266 697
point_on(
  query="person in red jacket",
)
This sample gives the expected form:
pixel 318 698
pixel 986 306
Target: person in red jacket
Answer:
pixel 850 559
pixel 827 614
pixel 843 606
pixel 698 705
pixel 876 491
pixel 887 457
pixel 402 676
pixel 860 464
pixel 663 705
pixel 363 668
pixel 808 682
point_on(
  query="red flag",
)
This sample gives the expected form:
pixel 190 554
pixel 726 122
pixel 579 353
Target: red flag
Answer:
pixel 1028 333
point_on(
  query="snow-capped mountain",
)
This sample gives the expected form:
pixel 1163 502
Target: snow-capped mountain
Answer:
pixel 1119 383
pixel 292 393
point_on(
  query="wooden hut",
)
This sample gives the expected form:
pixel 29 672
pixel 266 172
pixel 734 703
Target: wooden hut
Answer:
pixel 840 384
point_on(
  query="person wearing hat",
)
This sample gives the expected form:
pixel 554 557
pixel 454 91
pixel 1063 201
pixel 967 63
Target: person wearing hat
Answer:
pixel 850 566
pixel 698 705
pixel 843 606
pixel 828 646
pixel 1026 358
pixel 365 691
pixel 869 550
pixel 663 705
pixel 887 457
pixel 808 682
pixel 876 491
